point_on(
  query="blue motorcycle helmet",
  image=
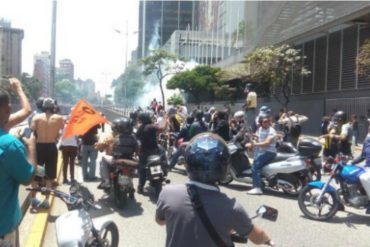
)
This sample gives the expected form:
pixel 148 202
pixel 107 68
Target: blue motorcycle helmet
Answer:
pixel 207 158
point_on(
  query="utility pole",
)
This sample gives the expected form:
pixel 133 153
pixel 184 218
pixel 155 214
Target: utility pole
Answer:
pixel 126 52
pixel 52 50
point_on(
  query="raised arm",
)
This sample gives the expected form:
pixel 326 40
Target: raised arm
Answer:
pixel 26 109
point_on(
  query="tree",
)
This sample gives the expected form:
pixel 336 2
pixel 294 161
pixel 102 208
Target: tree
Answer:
pixel 128 85
pixel 273 66
pixel 32 86
pixel 363 59
pixel 203 78
pixel 66 92
pixel 175 99
pixel 162 63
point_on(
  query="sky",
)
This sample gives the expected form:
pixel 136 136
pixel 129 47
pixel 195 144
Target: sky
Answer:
pixel 85 34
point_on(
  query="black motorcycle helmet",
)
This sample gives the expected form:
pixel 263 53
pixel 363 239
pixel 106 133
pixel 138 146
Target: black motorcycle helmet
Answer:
pixel 39 103
pixel 249 86
pixel 145 118
pixel 122 125
pixel 340 116
pixel 207 157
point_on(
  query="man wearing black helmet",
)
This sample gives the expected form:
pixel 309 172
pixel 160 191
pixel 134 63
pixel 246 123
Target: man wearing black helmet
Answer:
pixel 147 135
pixel 346 133
pixel 206 157
pixel 124 146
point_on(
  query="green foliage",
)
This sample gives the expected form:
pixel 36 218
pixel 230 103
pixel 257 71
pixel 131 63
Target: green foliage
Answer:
pixel 175 99
pixel 128 86
pixel 203 78
pixel 363 59
pixel 271 66
pixel 67 92
pixel 31 86
pixel 162 63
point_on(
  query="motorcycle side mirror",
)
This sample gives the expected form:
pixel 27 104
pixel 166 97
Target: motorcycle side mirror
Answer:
pixel 267 212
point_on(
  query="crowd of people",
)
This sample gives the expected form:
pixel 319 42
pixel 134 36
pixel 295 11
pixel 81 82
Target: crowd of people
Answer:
pixel 200 136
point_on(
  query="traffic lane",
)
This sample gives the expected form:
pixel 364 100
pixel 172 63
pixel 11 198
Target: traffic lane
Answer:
pixel 137 226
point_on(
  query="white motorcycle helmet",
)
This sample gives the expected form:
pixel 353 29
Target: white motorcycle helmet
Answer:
pixel 239 114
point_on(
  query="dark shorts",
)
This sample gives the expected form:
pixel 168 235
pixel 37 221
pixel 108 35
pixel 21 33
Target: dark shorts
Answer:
pixel 47 155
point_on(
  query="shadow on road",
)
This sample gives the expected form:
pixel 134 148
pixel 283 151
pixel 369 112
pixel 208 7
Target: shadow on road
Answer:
pixel 132 208
pixel 349 219
pixel 266 192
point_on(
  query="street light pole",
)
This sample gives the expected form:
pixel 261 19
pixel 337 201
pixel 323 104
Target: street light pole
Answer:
pixel 126 52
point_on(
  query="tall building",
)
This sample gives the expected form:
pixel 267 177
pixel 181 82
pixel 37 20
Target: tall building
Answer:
pixel 65 70
pixel 10 50
pixel 41 71
pixel 159 19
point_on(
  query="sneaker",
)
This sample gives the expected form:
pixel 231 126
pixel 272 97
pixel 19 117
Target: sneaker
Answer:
pixel 255 191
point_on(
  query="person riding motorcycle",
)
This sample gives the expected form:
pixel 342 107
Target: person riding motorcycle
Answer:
pixel 365 177
pixel 184 134
pixel 345 135
pixel 199 126
pixel 122 150
pixel 207 157
pixel 265 151
pixel 147 135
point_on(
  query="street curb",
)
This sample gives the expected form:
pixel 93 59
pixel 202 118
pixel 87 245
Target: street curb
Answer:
pixel 37 231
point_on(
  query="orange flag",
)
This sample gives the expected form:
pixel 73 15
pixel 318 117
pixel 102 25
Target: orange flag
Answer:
pixel 82 118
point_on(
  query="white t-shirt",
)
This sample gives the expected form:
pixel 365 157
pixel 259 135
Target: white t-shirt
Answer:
pixel 263 134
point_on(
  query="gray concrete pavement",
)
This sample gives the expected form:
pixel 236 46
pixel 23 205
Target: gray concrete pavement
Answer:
pixel 137 227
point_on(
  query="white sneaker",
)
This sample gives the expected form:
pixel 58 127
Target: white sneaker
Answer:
pixel 255 191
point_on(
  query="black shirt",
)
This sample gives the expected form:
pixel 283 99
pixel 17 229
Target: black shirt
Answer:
pixel 90 138
pixel 147 136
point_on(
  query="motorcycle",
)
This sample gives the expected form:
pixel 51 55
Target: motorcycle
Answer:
pixel 327 200
pixel 155 173
pixel 122 186
pixel 76 228
pixel 288 171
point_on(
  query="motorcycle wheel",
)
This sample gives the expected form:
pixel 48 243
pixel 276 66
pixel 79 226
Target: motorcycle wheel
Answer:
pixel 295 181
pixel 120 197
pixel 307 199
pixel 227 179
pixel 109 235
pixel 157 187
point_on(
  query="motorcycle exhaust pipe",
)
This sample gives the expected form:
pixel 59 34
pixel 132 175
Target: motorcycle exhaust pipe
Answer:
pixel 285 185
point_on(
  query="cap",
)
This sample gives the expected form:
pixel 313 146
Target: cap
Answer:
pixel 48 103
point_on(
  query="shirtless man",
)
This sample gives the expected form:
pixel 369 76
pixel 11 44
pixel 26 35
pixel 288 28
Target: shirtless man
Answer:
pixel 47 127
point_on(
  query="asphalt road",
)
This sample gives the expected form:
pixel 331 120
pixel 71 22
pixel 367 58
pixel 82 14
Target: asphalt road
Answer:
pixel 137 226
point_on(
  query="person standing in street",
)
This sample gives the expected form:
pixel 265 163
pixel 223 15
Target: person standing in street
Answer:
pixel 16 169
pixel 250 105
pixel 47 128
pixel 292 125
pixel 356 133
pixel 89 153
pixel 207 157
pixel 69 148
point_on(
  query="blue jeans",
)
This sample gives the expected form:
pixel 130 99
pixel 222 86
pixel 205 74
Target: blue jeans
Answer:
pixel 175 157
pixel 249 117
pixel 259 162
pixel 89 155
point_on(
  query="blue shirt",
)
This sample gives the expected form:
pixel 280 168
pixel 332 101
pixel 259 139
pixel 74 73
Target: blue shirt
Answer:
pixel 14 170
pixel 365 154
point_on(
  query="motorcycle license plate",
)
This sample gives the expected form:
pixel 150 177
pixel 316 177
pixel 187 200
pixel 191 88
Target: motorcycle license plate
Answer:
pixel 123 180
pixel 154 170
pixel 318 162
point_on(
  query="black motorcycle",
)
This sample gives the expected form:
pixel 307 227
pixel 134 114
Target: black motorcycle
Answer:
pixel 156 173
